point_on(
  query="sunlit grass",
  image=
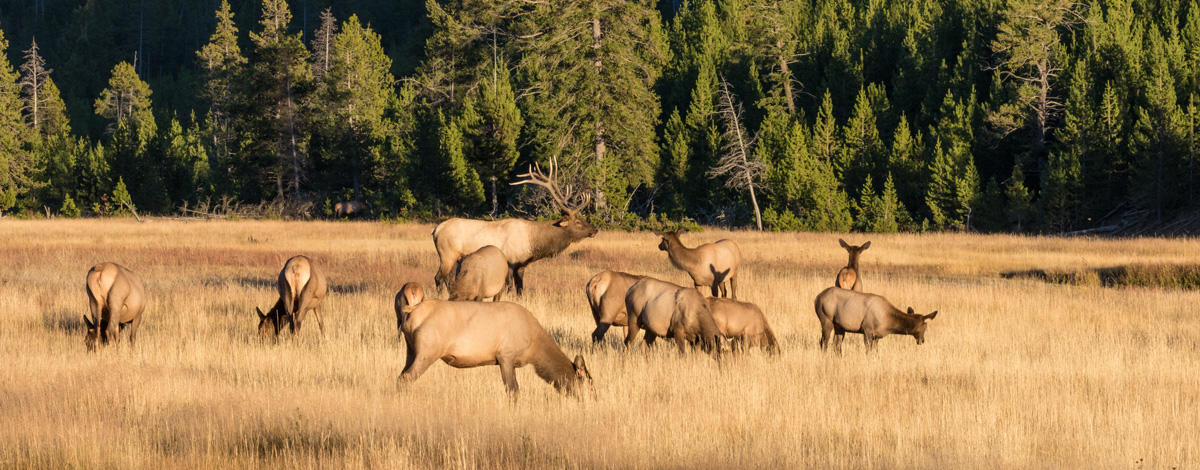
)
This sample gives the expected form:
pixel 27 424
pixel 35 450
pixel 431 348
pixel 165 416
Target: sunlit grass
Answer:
pixel 1016 372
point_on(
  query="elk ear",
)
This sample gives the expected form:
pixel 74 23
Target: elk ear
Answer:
pixel 87 321
pixel 930 316
pixel 563 222
pixel 843 243
pixel 261 316
pixel 581 367
pixel 865 246
pixel 911 312
pixel 409 308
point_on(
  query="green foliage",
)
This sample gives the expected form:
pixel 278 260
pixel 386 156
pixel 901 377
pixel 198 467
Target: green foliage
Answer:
pixel 16 162
pixel 68 208
pixel 121 198
pixel 126 101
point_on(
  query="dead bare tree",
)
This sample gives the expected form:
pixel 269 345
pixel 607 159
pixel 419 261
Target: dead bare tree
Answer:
pixel 737 163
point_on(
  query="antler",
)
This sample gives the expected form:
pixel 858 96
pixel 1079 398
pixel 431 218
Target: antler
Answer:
pixel 535 176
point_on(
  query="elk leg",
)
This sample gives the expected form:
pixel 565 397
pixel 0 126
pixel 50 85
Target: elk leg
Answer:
pixel 508 372
pixel 733 286
pixel 631 331
pixel 840 334
pixel 416 366
pixel 869 341
pixel 601 329
pixel 133 329
pixel 320 324
pixel 116 304
pixel 519 280
pixel 650 337
pixel 826 332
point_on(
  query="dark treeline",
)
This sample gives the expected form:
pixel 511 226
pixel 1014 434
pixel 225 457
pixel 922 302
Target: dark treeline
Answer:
pixel 880 115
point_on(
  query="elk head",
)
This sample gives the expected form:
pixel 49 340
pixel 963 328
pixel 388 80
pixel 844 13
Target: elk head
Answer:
pixel 854 251
pixel 918 331
pixel 581 377
pixel 92 335
pixel 574 226
pixel 669 238
pixel 268 323
pixel 407 299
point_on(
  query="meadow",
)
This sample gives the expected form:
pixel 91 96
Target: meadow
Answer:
pixel 1016 372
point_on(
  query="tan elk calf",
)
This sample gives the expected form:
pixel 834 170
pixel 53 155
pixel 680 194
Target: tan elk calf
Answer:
pixel 670 311
pixel 481 275
pixel 709 265
pixel 606 296
pixel 410 294
pixel 116 297
pixel 849 277
pixel 301 288
pixel 841 311
pixel 521 241
pixel 743 323
pixel 474 334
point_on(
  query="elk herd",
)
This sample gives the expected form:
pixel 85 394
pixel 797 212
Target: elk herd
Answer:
pixel 480 259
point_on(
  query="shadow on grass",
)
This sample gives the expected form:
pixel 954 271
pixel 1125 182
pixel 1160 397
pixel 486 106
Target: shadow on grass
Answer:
pixel 63 320
pixel 1164 276
pixel 270 284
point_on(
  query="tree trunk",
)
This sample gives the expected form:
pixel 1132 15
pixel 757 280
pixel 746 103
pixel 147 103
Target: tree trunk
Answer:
pixel 785 75
pixel 600 147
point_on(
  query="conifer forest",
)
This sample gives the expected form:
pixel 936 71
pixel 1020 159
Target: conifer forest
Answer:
pixel 1038 116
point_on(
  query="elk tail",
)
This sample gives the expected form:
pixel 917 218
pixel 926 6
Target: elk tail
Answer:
pixel 594 290
pixel 93 290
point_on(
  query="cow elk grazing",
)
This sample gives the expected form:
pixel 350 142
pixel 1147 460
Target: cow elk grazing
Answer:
pixel 115 297
pixel 841 311
pixel 301 288
pixel 410 295
pixel 606 296
pixel 521 241
pixel 709 265
pixel 670 311
pixel 473 334
pixel 849 277
pixel 481 275
pixel 349 208
pixel 744 324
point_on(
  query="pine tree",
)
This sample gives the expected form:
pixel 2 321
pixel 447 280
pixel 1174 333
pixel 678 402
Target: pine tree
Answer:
pixel 1018 197
pixel 704 136
pixel 126 101
pixel 278 80
pixel 16 163
pixel 863 152
pixel 34 75
pixel 672 178
pixel 223 64
pixel 775 40
pixel 464 188
pixel 495 147
pixel 1064 177
pixel 322 43
pixel 608 51
pixel 826 143
pixel 1159 137
pixel 1028 44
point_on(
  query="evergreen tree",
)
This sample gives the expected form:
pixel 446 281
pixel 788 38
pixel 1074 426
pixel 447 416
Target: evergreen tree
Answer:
pixel 41 105
pixel 465 189
pixel 1018 198
pixel 126 101
pixel 495 133
pixel 609 51
pixel 322 43
pixel 278 81
pixel 223 64
pixel 16 163
pixel 672 177
pixel 1064 179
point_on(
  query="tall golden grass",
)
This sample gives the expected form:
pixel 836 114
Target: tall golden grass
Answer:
pixel 1015 373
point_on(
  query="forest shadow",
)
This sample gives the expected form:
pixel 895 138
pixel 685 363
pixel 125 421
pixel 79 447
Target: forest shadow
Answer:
pixel 1164 276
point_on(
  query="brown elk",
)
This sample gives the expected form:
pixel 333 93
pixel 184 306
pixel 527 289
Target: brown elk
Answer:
pixel 743 323
pixel 668 310
pixel 521 241
pixel 349 208
pixel 849 277
pixel 606 296
pixel 841 311
pixel 116 297
pixel 473 334
pixel 301 288
pixel 410 294
pixel 481 275
pixel 709 265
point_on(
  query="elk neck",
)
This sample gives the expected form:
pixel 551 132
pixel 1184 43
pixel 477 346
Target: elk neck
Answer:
pixel 547 240
pixel 551 364
pixel 852 263
pixel 900 322
pixel 681 256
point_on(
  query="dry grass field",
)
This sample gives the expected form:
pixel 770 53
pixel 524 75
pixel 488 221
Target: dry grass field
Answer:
pixel 1015 372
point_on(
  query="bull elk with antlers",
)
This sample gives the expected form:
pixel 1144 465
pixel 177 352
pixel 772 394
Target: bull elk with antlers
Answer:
pixel 521 241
